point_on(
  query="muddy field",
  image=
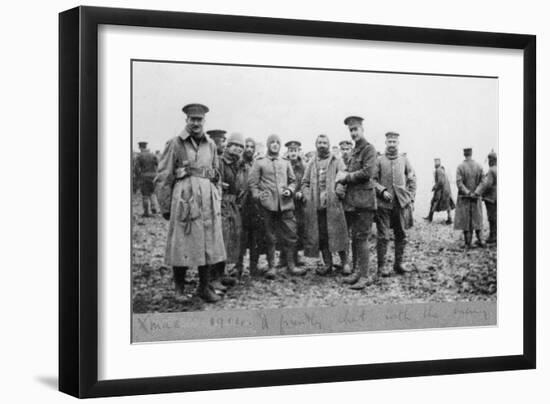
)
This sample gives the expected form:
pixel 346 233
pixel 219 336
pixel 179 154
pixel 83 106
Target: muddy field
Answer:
pixel 442 272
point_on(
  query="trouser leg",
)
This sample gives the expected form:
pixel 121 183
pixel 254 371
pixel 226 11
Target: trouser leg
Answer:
pixel 179 279
pixel 382 219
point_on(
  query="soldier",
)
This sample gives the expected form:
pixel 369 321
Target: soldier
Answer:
pixel 272 183
pixel 298 166
pixel 146 170
pixel 218 136
pixel 469 216
pixel 345 149
pixel 325 221
pixel 251 217
pixel 232 173
pixel 442 199
pixel 190 197
pixel 396 186
pixel 361 201
pixel 488 190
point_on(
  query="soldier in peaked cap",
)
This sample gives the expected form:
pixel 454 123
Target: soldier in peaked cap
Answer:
pixel 190 199
pixel 360 201
pixel 396 189
pixel 469 216
pixel 145 170
pixel 218 136
pixel 299 168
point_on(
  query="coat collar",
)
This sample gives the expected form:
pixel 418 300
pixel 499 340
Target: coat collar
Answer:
pixel 360 145
pixel 184 135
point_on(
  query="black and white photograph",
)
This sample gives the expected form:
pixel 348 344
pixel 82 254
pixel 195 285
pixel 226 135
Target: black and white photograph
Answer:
pixel 272 200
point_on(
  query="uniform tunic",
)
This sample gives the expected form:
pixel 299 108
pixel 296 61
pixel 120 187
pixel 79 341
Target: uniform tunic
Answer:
pixel 189 192
pixel 146 169
pixel 469 215
pixel 442 199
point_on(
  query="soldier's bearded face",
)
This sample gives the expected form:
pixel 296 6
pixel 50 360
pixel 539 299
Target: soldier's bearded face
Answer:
pixel 356 132
pixel 322 144
pixel 195 124
pixel 249 149
pixel 274 147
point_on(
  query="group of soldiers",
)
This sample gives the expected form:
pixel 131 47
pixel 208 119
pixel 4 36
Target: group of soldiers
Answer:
pixel 222 198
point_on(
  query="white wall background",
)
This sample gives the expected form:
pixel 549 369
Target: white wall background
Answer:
pixel 28 287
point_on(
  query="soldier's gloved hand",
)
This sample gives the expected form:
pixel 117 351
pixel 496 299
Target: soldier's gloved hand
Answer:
pixel 166 215
pixel 340 192
pixel 181 172
pixel 299 196
pixel 386 196
pixel 340 177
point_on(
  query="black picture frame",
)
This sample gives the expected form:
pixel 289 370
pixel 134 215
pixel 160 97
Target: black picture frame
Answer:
pixel 78 201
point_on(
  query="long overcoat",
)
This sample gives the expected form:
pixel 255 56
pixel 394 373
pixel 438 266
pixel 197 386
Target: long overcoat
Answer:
pixel 336 220
pixel 360 180
pixel 269 177
pixel 442 199
pixel 233 177
pixel 189 190
pixel 469 211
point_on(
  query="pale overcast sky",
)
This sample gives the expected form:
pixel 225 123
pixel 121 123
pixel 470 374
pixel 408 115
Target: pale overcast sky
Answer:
pixel 437 116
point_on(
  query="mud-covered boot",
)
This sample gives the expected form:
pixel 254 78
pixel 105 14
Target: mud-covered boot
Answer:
pixel 355 274
pixel 398 266
pixel 449 218
pixel 291 265
pixel 480 241
pixel 298 261
pixel 492 232
pixel 271 272
pixel 146 201
pixel 344 260
pixel 430 216
pixel 365 278
pixel 327 263
pixel 179 282
pixel 214 277
pixel 227 281
pixel 253 264
pixel 381 250
pixel 205 290
pixel 467 239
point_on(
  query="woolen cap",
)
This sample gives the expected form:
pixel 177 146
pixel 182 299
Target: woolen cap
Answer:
pixel 272 138
pixel 235 138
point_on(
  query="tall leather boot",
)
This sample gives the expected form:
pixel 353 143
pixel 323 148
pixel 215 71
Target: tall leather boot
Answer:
pixel 467 239
pixel 480 241
pixel 146 202
pixel 430 216
pixel 298 261
pixel 492 232
pixel 216 271
pixel 205 290
pixel 399 252
pixel 253 264
pixel 344 260
pixel 365 277
pixel 271 272
pixel 290 264
pixel 179 280
pixel 354 276
pixel 381 250
pixel 225 280
pixel 327 263
pixel 449 218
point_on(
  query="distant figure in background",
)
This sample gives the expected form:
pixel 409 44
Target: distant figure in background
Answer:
pixel 442 199
pixel 396 186
pixel 488 190
pixel 469 214
pixel 308 156
pixel 218 136
pixel 145 171
pixel 336 151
